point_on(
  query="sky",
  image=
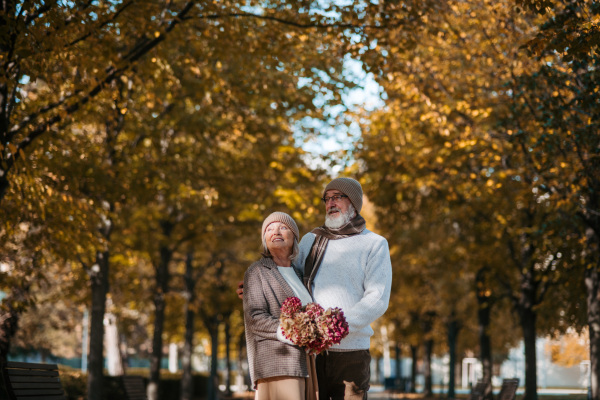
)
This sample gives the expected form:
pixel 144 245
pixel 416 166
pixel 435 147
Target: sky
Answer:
pixel 333 139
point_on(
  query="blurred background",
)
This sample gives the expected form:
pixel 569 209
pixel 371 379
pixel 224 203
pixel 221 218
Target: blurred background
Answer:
pixel 142 143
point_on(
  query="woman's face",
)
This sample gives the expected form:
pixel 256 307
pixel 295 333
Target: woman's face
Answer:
pixel 279 236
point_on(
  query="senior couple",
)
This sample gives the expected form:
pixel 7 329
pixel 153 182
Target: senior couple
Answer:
pixel 341 264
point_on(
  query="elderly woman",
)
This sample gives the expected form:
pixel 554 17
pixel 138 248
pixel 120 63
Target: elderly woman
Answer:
pixel 279 370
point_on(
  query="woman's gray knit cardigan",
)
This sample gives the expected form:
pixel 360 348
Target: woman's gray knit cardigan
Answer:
pixel 265 290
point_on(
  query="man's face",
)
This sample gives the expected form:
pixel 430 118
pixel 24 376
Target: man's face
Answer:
pixel 336 208
pixel 339 212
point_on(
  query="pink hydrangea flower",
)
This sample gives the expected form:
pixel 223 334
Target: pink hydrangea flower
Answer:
pixel 312 327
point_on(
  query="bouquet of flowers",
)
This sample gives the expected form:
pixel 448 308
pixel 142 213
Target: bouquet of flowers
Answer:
pixel 311 326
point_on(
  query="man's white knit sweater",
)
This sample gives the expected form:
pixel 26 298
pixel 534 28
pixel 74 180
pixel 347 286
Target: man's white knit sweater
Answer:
pixel 355 275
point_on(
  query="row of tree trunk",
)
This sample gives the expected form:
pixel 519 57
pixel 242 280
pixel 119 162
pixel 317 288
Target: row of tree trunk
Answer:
pixel 524 305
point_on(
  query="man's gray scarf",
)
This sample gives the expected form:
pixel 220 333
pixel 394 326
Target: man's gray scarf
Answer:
pixel 323 235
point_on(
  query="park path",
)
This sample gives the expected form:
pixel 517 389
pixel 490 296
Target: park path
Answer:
pixel 373 395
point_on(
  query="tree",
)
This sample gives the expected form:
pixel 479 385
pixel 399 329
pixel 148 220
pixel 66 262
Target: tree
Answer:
pixel 82 48
pixel 557 140
pixel 85 50
pixel 60 78
pixel 571 28
pixel 447 98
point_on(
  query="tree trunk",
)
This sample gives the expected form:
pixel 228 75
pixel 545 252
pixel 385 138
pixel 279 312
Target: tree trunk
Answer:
pixel 427 325
pixel 398 356
pixel 3 184
pixel 9 320
pixel 528 324
pixel 453 330
pixel 227 356
pixel 162 287
pixel 485 344
pixel 243 371
pixel 187 387
pixel 524 304
pixel 99 288
pixel 428 389
pixel 242 375
pixel 592 284
pixel 123 351
pixel 213 382
pixel 413 368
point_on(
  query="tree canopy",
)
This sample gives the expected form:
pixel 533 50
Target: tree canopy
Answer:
pixel 143 142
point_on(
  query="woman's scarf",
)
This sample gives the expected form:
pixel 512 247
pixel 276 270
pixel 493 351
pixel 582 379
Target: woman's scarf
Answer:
pixel 323 235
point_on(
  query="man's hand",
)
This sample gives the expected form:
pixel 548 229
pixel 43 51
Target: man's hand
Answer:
pixel 240 289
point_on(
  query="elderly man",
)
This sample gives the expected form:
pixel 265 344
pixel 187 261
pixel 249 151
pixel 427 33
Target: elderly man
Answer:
pixel 345 265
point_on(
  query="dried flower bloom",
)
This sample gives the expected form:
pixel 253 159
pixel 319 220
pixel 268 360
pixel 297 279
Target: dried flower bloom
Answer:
pixel 311 326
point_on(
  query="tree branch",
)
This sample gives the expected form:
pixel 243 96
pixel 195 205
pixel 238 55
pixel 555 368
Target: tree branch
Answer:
pixel 293 23
pixel 49 107
pixel 113 73
pixel 512 250
pixel 10 102
pixel 103 24
pixel 37 13
pixel 146 44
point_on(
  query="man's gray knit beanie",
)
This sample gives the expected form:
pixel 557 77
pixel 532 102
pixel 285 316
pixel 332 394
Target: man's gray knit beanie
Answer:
pixel 350 187
pixel 285 219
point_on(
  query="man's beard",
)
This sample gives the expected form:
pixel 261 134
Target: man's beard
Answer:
pixel 335 222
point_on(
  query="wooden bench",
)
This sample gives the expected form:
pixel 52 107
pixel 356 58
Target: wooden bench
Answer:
pixel 29 381
pixel 135 387
pixel 477 391
pixel 508 390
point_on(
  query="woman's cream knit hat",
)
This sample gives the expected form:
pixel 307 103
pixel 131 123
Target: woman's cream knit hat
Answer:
pixel 350 187
pixel 285 219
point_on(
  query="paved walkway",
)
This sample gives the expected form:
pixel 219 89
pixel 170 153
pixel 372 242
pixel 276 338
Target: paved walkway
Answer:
pixel 378 393
pixel 374 394
pixel 384 395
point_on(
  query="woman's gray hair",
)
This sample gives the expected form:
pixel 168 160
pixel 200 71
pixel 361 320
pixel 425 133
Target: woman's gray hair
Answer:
pixel 267 253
